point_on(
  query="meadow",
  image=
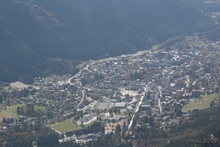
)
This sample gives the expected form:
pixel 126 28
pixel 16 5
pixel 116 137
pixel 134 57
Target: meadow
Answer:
pixel 200 103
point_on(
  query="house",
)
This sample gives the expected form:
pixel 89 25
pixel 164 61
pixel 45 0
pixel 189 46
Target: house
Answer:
pixel 10 120
pixel 129 108
pixel 146 107
pixel 88 137
pixel 123 111
pixel 117 117
pixel 134 101
pixel 166 117
pixel 120 105
pixel 21 119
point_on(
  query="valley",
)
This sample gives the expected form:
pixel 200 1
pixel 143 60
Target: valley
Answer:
pixel 109 73
pixel 126 90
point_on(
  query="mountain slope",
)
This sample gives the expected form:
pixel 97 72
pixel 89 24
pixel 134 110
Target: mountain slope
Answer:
pixel 36 30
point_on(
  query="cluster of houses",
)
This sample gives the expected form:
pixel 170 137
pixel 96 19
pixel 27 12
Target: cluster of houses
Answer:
pixel 151 83
pixel 173 77
pixel 81 139
pixel 11 123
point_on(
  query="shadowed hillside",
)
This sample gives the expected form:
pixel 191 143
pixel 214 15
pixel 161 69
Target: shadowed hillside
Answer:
pixel 35 31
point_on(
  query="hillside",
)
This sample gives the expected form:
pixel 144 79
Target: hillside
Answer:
pixel 38 34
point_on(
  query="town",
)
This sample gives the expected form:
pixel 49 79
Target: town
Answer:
pixel 153 84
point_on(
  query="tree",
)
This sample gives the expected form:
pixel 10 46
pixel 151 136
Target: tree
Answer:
pixel 212 104
pixel 26 92
pixel 189 111
pixel 124 125
pixel 1 98
pixel 30 109
pixel 118 129
pixel 8 103
pixel 148 94
pixel 4 120
pixel 18 110
pixel 178 111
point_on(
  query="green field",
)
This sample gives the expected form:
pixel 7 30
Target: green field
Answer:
pixel 12 111
pixel 155 47
pixel 66 125
pixel 91 123
pixel 200 103
pixel 81 66
pixel 42 108
pixel 9 112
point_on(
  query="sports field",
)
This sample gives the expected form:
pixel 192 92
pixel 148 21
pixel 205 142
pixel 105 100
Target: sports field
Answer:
pixel 200 103
pixel 102 105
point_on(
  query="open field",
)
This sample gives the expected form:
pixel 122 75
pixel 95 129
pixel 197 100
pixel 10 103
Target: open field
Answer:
pixel 200 103
pixel 12 111
pixel 66 125
pixel 102 105
pixel 36 107
pixel 91 123
pixel 18 85
pixel 81 65
pixel 5 114
pixel 9 112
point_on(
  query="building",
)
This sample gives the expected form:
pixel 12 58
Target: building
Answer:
pixel 120 105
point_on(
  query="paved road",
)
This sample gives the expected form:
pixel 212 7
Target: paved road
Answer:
pixel 159 104
pixel 137 109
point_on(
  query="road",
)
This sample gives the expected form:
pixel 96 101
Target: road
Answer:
pixel 77 74
pixel 87 106
pixel 139 104
pixel 159 104
pixel 188 81
pixel 132 119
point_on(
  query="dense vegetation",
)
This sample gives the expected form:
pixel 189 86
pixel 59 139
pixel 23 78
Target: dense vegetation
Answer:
pixel 200 126
pixel 43 37
pixel 25 136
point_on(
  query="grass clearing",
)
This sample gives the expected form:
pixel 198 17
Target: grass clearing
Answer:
pixel 66 125
pixel 18 85
pixel 200 103
pixel 42 108
pixel 155 47
pixel 9 112
pixel 81 65
pixel 5 114
pixel 12 111
pixel 89 124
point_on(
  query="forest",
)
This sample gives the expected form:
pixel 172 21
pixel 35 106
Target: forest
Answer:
pixel 41 38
